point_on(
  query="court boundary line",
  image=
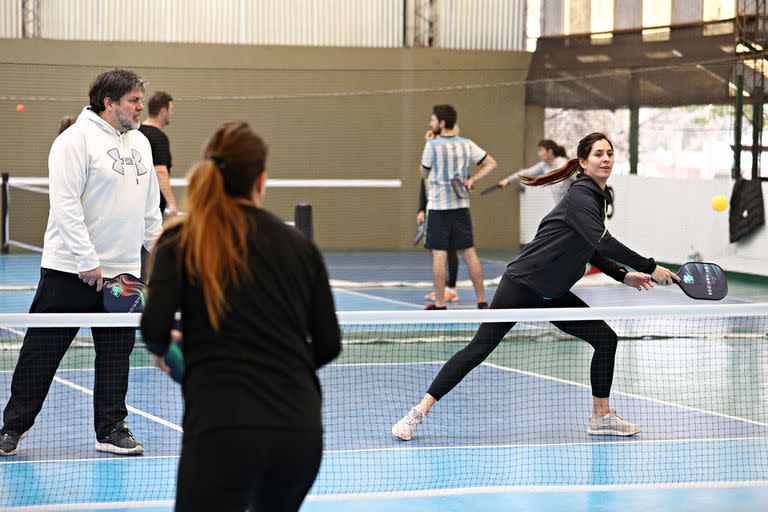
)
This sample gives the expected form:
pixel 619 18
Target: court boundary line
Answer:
pixel 419 448
pixel 376 297
pixel 425 493
pixel 149 416
pixel 537 488
pixel 546 445
pixel 632 395
pixel 90 369
pixel 108 505
pixel 118 458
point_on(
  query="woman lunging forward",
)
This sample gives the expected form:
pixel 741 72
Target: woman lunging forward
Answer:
pixel 570 236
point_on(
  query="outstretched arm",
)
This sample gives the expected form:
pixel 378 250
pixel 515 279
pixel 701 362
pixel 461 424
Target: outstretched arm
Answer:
pixel 609 267
pixel 535 170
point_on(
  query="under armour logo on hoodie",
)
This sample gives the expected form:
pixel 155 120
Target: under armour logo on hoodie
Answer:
pixel 119 162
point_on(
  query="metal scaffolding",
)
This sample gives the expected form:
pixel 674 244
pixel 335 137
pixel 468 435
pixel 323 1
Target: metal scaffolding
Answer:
pixel 749 79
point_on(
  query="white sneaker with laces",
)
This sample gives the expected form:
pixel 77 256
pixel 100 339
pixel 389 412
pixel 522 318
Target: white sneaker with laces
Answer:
pixel 612 425
pixel 404 428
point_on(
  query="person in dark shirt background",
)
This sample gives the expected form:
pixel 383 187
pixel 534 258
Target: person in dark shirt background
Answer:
pixel 570 236
pixel 258 320
pixel 160 108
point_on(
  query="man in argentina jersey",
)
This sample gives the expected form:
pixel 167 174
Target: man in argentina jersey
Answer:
pixel 446 158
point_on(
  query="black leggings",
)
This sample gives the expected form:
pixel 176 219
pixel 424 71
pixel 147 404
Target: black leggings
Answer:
pixel 453 268
pixel 235 469
pixel 512 295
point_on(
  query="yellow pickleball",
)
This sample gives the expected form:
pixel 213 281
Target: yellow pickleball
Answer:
pixel 719 203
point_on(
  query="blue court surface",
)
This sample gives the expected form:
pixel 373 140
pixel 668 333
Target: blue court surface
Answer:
pixel 465 448
pixel 475 452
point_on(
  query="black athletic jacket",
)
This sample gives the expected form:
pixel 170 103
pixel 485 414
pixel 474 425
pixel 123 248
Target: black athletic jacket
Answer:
pixel 258 369
pixel 570 236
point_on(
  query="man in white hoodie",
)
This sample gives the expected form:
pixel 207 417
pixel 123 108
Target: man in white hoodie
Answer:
pixel 104 200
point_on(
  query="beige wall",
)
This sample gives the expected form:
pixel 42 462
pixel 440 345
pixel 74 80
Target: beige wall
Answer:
pixel 366 136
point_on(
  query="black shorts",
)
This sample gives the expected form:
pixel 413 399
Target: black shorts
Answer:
pixel 449 229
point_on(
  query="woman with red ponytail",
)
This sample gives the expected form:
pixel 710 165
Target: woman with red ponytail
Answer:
pixel 258 320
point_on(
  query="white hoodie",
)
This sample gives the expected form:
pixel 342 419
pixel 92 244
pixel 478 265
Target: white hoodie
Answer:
pixel 104 199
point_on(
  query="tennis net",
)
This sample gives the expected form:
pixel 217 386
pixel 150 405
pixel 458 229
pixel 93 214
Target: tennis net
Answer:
pixel 25 204
pixel 694 378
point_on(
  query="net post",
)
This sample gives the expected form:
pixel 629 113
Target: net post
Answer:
pixel 5 221
pixel 302 217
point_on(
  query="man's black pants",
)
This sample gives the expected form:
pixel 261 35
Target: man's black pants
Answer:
pixel 44 348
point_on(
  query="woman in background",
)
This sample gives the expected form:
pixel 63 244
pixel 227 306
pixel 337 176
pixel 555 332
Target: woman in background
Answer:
pixel 551 156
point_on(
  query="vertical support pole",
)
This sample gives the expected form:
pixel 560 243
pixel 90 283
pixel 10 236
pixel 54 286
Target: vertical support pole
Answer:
pixel 634 137
pixel 757 129
pixel 738 113
pixel 405 23
pixel 634 122
pixel 5 221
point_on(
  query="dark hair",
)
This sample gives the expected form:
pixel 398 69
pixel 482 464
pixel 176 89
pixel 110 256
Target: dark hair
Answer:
pixel 157 102
pixel 548 144
pixel 214 231
pixel 66 122
pixel 114 84
pixel 552 146
pixel 571 167
pixel 445 113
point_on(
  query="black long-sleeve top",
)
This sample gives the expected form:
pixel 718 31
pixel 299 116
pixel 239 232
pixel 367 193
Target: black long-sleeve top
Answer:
pixel 258 370
pixel 570 236
pixel 422 197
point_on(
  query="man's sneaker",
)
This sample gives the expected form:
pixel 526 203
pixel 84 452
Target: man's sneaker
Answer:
pixel 120 441
pixel 612 425
pixel 435 307
pixel 9 441
pixel 482 305
pixel 404 428
pixel 449 294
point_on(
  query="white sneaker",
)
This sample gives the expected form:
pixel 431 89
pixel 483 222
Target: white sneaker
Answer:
pixel 404 428
pixel 612 425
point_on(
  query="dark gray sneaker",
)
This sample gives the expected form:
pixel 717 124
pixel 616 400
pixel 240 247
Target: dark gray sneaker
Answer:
pixel 9 441
pixel 120 441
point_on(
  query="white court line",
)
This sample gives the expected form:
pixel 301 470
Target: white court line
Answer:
pixel 14 331
pixel 328 367
pixel 376 297
pixel 545 445
pixel 91 369
pixel 535 488
pixel 428 493
pixel 419 448
pixel 134 410
pixel 633 395
pixel 90 459
pixel 110 505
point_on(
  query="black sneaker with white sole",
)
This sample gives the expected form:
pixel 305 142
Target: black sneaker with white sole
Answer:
pixel 9 441
pixel 120 441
